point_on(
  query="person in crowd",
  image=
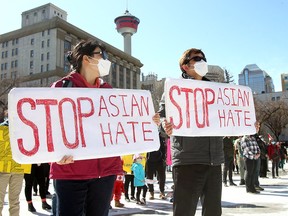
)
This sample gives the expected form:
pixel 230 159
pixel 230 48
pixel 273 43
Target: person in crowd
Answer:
pixel 156 163
pixel 228 148
pixel 263 158
pixel 251 153
pixel 262 147
pixel 196 160
pixel 12 180
pixel 129 177
pixel 118 190
pixel 274 156
pixel 240 159
pixel 139 179
pixel 37 172
pixel 85 186
pixel 47 180
pixel 283 156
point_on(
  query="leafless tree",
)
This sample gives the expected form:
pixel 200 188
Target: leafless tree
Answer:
pixel 273 116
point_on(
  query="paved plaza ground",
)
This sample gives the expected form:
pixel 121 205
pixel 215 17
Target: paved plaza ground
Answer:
pixel 273 201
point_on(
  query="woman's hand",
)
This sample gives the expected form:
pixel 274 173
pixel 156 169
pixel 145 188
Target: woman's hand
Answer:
pixel 156 119
pixel 67 159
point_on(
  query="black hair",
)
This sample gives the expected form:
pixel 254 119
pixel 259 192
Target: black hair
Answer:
pixel 75 56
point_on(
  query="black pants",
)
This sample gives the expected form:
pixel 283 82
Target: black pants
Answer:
pixel 129 180
pixel 91 196
pixel 46 169
pixel 37 172
pixel 140 189
pixel 250 173
pixel 228 168
pixel 263 167
pixel 159 168
pixel 275 166
pixel 192 182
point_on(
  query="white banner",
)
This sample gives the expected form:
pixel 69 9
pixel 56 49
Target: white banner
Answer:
pixel 201 108
pixel 47 123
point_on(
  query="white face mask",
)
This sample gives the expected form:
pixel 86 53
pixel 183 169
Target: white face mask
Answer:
pixel 138 160
pixel 201 68
pixel 103 67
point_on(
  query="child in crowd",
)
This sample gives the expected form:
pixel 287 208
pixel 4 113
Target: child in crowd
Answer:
pixel 118 190
pixel 129 177
pixel 139 179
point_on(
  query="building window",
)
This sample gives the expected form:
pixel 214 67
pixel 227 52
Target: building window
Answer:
pixel 3 54
pixel 32 41
pixel 273 98
pixel 6 43
pixel 6 66
pixel 12 64
pixel 43 33
pixel 2 67
pixel 47 67
pixel 16 40
pixel 48 55
pixel 31 53
pixel 48 42
pixel 42 44
pixel 42 57
pixel 278 98
pixel 16 63
pixel 31 64
pixel 35 13
pixel 42 68
pixel 12 52
pixel 48 32
pixel 6 54
pixel 14 75
pixel 27 16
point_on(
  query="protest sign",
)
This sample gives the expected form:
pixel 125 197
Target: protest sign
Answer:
pixel 200 108
pixel 48 123
pixel 7 164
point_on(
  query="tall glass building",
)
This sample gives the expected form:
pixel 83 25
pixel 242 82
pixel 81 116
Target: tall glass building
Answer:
pixel 258 80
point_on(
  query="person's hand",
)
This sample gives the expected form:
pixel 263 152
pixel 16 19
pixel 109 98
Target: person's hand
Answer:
pixel 167 127
pixel 156 119
pixel 67 159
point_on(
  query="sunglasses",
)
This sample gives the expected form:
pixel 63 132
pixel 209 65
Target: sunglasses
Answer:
pixel 102 53
pixel 196 59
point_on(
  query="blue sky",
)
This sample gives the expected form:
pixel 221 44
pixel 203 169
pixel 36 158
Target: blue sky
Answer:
pixel 232 33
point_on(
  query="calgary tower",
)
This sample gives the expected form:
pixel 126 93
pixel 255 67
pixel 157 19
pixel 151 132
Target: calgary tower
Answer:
pixel 127 25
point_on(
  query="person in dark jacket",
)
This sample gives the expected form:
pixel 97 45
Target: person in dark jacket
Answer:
pixel 156 163
pixel 229 156
pixel 85 186
pixel 196 160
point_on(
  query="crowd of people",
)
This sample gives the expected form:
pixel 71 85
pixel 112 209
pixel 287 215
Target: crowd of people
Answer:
pixel 88 187
pixel 251 156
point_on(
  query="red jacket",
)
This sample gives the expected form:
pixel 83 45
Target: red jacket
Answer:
pixel 85 169
pixel 273 151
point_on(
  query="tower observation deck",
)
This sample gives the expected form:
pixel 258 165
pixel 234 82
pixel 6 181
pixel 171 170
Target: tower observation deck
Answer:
pixel 127 25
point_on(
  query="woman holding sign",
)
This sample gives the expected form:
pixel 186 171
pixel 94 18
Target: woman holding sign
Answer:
pixel 196 160
pixel 85 186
